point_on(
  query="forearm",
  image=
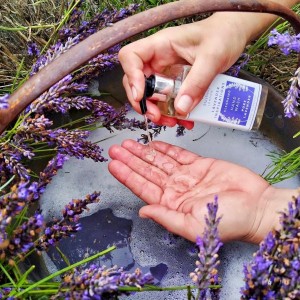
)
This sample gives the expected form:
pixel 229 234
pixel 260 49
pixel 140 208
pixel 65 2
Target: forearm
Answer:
pixel 251 25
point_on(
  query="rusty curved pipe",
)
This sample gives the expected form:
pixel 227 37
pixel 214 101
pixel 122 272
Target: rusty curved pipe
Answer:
pixel 122 30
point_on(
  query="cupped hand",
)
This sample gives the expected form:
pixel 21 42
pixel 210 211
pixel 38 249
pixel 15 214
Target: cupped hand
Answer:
pixel 211 46
pixel 177 185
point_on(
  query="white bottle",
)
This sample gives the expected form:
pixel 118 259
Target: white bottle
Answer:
pixel 229 101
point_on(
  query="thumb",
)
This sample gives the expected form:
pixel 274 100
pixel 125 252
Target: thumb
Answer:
pixel 195 85
pixel 172 220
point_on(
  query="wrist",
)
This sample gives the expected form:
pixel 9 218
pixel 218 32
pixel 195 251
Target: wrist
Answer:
pixel 272 202
pixel 251 25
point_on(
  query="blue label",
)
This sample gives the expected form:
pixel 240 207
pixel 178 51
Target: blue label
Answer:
pixel 236 104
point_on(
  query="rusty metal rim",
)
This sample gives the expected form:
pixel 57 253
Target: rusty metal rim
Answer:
pixel 122 30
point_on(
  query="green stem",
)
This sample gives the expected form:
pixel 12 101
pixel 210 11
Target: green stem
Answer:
pixel 65 18
pixel 35 285
pixel 22 28
pixel 8 276
pixel 7 183
pixel 159 289
pixel 24 276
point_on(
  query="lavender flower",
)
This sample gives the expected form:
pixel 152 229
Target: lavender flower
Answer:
pixel 74 143
pixel 99 282
pixel 291 101
pixel 22 239
pixel 10 162
pixel 241 62
pixel 82 28
pixel 33 49
pixel 54 52
pixel 54 233
pixel 68 225
pixel 50 171
pixel 4 101
pixel 72 211
pixel 209 246
pixel 12 204
pixel 275 271
pixel 53 99
pixel 287 43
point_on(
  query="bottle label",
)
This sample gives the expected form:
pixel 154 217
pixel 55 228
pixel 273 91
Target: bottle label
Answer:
pixel 229 102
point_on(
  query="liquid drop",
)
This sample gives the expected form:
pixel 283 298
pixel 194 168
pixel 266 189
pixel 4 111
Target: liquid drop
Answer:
pixel 150 152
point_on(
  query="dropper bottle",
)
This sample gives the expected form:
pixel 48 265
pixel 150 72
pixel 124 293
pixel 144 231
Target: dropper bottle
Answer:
pixel 229 101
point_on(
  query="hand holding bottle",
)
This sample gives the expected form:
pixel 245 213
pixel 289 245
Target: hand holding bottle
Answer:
pixel 211 46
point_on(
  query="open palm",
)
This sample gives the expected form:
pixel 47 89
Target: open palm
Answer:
pixel 177 184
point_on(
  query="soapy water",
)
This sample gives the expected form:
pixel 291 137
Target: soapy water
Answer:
pixel 80 177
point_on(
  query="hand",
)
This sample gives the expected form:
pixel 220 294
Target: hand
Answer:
pixel 177 184
pixel 211 46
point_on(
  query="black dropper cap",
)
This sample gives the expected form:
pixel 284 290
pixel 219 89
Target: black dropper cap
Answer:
pixel 148 92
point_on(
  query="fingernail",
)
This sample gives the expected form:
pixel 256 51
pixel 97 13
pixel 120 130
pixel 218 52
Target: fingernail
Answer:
pixel 185 103
pixel 134 93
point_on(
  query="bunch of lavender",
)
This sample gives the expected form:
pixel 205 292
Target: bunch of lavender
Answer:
pixel 274 272
pixel 17 236
pixel 206 272
pixel 35 132
pixel 99 282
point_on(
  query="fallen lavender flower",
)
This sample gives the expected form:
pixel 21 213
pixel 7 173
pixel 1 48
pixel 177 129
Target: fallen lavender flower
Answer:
pixel 274 272
pixel 99 282
pixel 209 246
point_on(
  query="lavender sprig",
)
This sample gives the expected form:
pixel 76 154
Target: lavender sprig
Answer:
pixel 209 245
pixel 241 62
pixel 72 210
pixel 287 43
pixel 275 271
pixel 291 101
pixel 99 282
pixel 22 239
pixel 82 28
pixel 68 225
